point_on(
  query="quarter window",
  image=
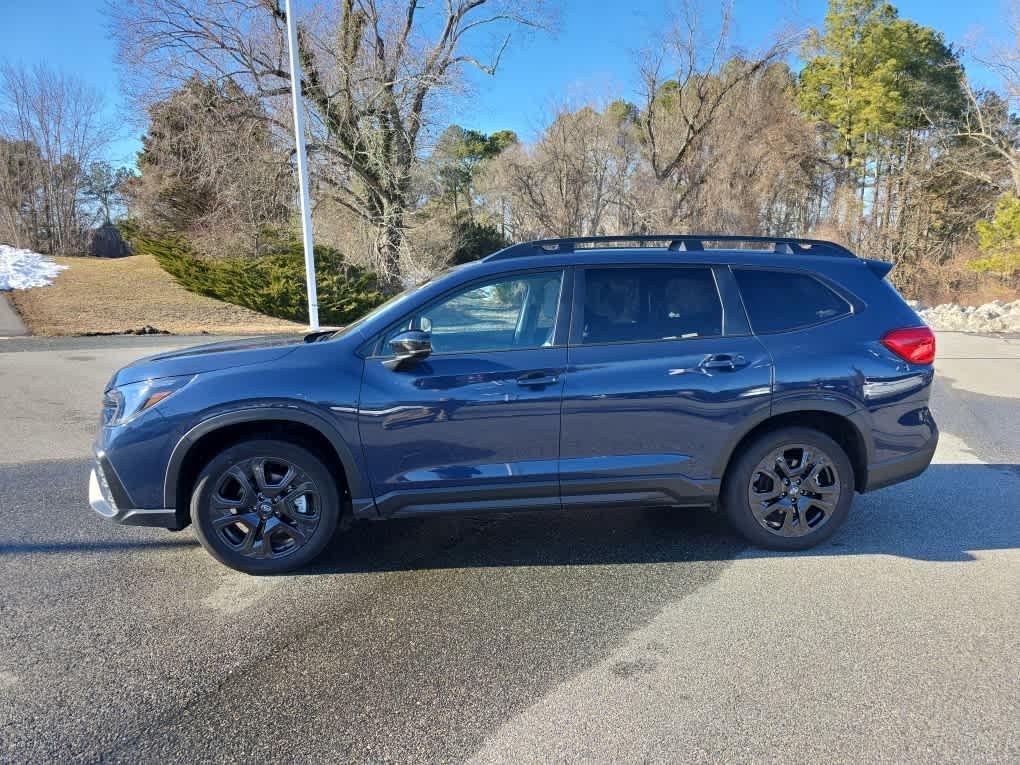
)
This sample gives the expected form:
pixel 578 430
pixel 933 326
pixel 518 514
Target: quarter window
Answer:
pixel 647 304
pixel 778 301
pixel 509 312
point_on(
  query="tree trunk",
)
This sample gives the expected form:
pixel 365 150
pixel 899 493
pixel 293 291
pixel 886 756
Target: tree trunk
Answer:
pixel 389 242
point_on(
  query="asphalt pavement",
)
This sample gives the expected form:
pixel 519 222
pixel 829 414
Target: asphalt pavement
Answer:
pixel 11 324
pixel 613 636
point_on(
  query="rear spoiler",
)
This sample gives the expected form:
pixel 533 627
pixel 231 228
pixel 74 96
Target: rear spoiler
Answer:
pixel 880 268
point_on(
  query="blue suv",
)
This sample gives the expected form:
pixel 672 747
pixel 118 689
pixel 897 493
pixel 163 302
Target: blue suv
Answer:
pixel 769 378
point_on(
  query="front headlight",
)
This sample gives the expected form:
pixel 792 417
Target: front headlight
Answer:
pixel 125 402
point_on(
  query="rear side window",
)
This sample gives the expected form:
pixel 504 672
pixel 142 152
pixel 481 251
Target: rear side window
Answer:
pixel 777 301
pixel 636 304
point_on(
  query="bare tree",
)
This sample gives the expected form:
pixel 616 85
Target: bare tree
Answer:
pixel 755 171
pixel 568 183
pixel 372 75
pixel 687 79
pixel 209 168
pixel 989 124
pixel 54 129
pixel 762 171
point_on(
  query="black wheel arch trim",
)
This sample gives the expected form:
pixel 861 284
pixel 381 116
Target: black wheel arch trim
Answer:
pixel 268 413
pixel 854 414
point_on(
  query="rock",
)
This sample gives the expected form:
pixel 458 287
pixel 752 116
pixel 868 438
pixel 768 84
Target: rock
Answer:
pixel 106 242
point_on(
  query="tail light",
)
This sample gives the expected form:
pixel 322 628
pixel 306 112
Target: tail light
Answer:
pixel 913 344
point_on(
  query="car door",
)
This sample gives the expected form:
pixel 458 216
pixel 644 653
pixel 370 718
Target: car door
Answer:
pixel 659 375
pixel 476 424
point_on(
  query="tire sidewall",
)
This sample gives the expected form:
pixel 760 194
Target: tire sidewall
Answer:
pixel 329 505
pixel 734 494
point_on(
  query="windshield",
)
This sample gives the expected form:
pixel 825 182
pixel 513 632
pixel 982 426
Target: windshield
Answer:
pixel 400 297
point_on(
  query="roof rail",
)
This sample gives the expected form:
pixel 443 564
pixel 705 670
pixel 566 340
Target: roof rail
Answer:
pixel 675 242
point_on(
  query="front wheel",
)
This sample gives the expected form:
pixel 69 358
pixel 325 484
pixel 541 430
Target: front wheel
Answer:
pixel 789 490
pixel 265 506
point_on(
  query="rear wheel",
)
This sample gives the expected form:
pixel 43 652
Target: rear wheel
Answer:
pixel 265 506
pixel 789 490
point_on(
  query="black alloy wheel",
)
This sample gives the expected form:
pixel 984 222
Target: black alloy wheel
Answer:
pixel 789 489
pixel 265 506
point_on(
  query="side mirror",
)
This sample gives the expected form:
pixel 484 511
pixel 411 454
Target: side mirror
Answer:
pixel 408 347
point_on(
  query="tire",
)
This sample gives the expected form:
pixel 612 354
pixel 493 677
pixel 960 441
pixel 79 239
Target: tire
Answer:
pixel 265 506
pixel 797 503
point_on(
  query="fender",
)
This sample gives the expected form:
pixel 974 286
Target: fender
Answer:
pixel 267 413
pixel 843 407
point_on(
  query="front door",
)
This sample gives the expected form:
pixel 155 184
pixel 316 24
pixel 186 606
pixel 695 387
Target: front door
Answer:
pixel 475 425
pixel 658 381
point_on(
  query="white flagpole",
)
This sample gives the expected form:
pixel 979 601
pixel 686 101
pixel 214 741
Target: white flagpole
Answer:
pixel 302 165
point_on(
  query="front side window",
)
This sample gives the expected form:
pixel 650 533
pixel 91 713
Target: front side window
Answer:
pixel 647 304
pixel 778 301
pixel 509 312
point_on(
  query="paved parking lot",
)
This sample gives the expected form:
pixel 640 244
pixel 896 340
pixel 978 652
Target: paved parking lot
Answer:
pixel 599 636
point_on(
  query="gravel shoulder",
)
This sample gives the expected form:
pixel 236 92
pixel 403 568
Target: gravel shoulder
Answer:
pixel 125 294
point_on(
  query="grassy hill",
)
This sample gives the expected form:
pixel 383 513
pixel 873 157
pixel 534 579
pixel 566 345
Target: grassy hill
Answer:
pixel 96 295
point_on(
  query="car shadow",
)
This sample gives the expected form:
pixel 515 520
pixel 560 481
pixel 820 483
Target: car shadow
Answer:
pixel 947 514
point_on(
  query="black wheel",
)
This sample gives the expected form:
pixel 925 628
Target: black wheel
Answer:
pixel 265 507
pixel 789 490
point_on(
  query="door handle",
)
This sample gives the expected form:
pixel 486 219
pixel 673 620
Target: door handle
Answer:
pixel 723 361
pixel 537 380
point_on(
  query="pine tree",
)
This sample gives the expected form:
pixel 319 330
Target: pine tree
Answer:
pixel 870 75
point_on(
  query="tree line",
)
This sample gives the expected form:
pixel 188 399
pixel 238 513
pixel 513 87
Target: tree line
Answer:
pixel 879 142
pixel 875 137
pixel 867 131
pixel 55 183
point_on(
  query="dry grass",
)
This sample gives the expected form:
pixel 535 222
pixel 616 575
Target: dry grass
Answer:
pixel 954 282
pixel 983 291
pixel 96 295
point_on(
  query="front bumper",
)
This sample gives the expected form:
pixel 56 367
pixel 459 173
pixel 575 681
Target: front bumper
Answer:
pixel 108 498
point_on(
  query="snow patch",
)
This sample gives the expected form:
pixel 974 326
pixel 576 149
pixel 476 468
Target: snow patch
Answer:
pixel 24 269
pixel 997 316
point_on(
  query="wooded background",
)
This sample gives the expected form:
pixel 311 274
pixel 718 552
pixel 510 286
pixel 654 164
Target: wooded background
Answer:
pixel 867 131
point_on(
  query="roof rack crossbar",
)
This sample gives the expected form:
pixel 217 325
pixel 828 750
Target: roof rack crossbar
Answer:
pixel 676 242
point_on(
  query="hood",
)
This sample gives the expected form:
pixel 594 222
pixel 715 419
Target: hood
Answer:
pixel 209 358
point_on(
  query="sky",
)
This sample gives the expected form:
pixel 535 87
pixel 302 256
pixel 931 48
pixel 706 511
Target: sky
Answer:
pixel 589 55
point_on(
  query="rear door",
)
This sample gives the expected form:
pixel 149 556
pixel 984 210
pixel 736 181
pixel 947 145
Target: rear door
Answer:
pixel 662 370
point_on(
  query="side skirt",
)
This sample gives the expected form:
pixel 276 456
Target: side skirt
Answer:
pixel 639 491
pixel 485 497
pixel 643 491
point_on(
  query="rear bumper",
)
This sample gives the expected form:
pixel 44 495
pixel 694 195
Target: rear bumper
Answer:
pixel 882 474
pixel 108 498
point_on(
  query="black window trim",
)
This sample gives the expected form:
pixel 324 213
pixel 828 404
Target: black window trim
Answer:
pixel 856 306
pixel 576 337
pixel 373 349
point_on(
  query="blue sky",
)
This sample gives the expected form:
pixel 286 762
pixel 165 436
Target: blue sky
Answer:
pixel 589 56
